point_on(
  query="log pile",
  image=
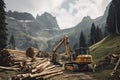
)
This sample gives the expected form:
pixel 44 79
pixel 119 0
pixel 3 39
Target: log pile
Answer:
pixel 9 57
pixel 40 68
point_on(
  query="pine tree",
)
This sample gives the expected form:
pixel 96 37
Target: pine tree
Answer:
pixel 105 33
pixel 99 34
pixel 113 19
pixel 82 41
pixel 12 42
pixel 93 34
pixel 3 29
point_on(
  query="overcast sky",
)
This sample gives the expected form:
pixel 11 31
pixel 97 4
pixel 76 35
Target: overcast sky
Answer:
pixel 67 12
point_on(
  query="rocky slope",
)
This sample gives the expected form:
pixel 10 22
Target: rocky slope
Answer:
pixel 20 15
pixel 32 32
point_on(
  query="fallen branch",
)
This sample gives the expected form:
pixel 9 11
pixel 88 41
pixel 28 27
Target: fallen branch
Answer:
pixel 116 66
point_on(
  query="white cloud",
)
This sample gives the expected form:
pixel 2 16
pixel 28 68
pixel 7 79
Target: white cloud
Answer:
pixel 92 8
pixel 66 17
pixel 33 6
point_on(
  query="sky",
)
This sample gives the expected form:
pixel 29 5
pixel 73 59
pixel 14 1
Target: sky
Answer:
pixel 67 12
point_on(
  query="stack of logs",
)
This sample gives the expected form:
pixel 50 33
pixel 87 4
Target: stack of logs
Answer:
pixel 40 68
pixel 9 57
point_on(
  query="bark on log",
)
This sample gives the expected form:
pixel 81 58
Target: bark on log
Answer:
pixel 30 52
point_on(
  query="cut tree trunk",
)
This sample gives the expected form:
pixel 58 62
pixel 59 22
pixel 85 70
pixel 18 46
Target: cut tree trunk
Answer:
pixel 41 67
pixel 9 68
pixel 44 73
pixel 51 67
pixel 38 63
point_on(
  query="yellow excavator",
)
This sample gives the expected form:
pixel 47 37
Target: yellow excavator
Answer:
pixel 79 59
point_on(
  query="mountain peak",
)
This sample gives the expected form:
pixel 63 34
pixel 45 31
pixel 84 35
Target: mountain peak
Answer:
pixel 47 20
pixel 46 14
pixel 86 18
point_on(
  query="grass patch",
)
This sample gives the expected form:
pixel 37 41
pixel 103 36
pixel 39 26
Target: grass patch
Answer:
pixel 104 47
pixel 107 46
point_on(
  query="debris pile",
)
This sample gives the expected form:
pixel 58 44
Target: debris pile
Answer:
pixel 22 61
pixel 110 60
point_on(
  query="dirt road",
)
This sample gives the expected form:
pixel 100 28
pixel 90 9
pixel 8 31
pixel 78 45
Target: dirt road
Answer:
pixel 73 76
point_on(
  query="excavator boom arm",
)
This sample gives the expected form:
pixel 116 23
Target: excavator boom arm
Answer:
pixel 64 41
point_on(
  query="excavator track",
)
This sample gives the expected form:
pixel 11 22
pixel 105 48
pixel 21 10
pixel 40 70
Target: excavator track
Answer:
pixel 77 67
pixel 71 67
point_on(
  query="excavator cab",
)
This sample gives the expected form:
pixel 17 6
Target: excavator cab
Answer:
pixel 83 55
pixel 81 51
